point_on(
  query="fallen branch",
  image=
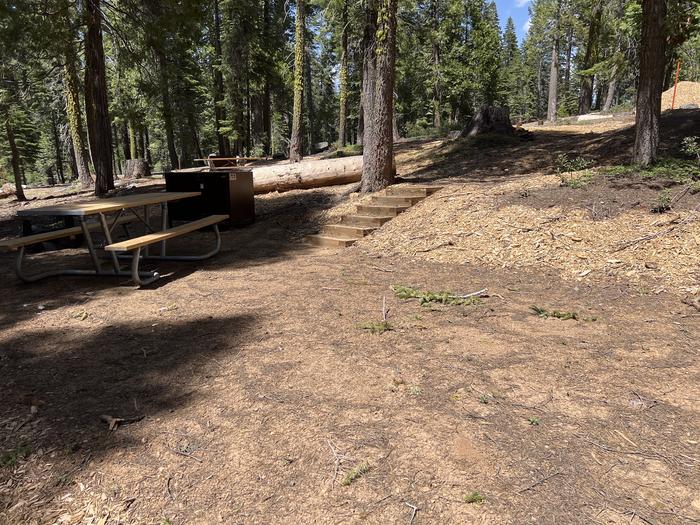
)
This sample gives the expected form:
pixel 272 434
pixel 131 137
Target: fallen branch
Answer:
pixel 413 514
pixel 627 244
pixel 530 487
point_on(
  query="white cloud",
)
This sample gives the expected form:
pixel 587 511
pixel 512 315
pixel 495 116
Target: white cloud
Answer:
pixel 526 25
pixel 521 3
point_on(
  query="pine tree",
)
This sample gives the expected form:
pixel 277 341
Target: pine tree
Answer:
pixel 296 146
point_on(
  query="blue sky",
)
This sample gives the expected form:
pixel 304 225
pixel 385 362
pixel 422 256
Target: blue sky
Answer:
pixel 516 9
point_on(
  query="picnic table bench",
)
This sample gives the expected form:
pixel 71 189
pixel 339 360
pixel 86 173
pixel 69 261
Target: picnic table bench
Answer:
pixel 134 248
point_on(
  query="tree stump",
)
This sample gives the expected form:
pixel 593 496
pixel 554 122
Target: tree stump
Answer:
pixel 490 119
pixel 136 169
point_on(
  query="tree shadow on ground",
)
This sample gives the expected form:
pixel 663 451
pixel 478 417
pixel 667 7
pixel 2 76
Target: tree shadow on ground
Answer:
pixel 282 221
pixel 70 377
pixel 473 162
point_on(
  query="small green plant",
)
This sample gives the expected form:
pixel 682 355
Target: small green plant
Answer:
pixel 544 313
pixel 663 202
pixel 14 456
pixel 425 298
pixel 564 163
pixel 576 181
pixel 474 497
pixel 695 187
pixel 533 421
pixel 415 390
pixel 377 327
pixel 691 146
pixel 484 399
pixel 678 171
pixel 355 473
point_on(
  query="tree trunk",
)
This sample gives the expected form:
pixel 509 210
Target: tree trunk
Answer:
pixel 540 89
pixel 73 113
pixel 295 145
pixel 651 79
pixel 133 151
pixel 126 142
pixel 585 99
pixel 378 88
pixel 307 174
pixel 343 95
pixel 219 110
pixel 75 175
pixel 553 83
pixel 308 93
pixel 267 91
pixel 57 148
pixel 136 169
pixel 437 102
pixel 612 87
pixel 167 110
pixel 147 147
pixel 97 108
pixel 14 157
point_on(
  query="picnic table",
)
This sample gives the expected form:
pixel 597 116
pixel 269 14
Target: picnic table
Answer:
pixel 125 210
pixel 224 162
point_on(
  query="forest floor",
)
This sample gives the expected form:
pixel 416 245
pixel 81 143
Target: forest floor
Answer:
pixel 254 390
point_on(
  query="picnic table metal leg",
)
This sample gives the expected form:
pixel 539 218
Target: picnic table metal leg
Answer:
pixel 163 226
pixel 136 276
pixel 90 245
pixel 108 238
pixel 147 220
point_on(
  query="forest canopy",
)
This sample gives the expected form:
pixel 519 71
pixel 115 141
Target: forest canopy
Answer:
pixel 187 78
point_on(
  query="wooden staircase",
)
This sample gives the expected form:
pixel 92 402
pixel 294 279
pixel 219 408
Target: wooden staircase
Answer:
pixel 383 207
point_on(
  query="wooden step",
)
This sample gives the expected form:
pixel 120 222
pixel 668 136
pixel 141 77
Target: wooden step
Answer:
pixel 371 221
pixel 329 241
pixel 395 200
pixel 152 238
pixel 345 231
pixel 380 211
pixel 412 191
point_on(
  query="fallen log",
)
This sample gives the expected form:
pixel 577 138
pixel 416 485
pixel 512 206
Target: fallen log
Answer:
pixel 306 174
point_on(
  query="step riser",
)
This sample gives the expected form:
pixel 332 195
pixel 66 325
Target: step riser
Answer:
pixel 392 211
pixel 368 222
pixel 350 232
pixel 412 192
pixel 396 200
pixel 328 242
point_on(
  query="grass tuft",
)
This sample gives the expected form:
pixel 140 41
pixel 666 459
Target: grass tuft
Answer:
pixel 355 473
pixel 545 314
pixel 14 456
pixel 427 297
pixel 474 497
pixel 377 327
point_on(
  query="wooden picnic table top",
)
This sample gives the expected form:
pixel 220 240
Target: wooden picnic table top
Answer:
pixel 112 204
pixel 209 159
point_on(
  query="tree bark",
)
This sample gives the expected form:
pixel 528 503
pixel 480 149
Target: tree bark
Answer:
pixel 437 96
pixel 167 110
pixel 57 148
pixel 612 87
pixel 585 99
pixel 267 95
pixel 554 71
pixel 14 157
pixel 295 146
pixel 219 110
pixel 651 79
pixel 378 89
pixel 126 142
pixel 73 113
pixel 343 95
pixel 97 108
pixel 147 147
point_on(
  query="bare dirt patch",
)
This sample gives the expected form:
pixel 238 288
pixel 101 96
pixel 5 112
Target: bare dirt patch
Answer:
pixel 250 390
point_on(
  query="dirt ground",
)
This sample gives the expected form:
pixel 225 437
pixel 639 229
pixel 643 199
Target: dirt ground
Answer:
pixel 252 393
